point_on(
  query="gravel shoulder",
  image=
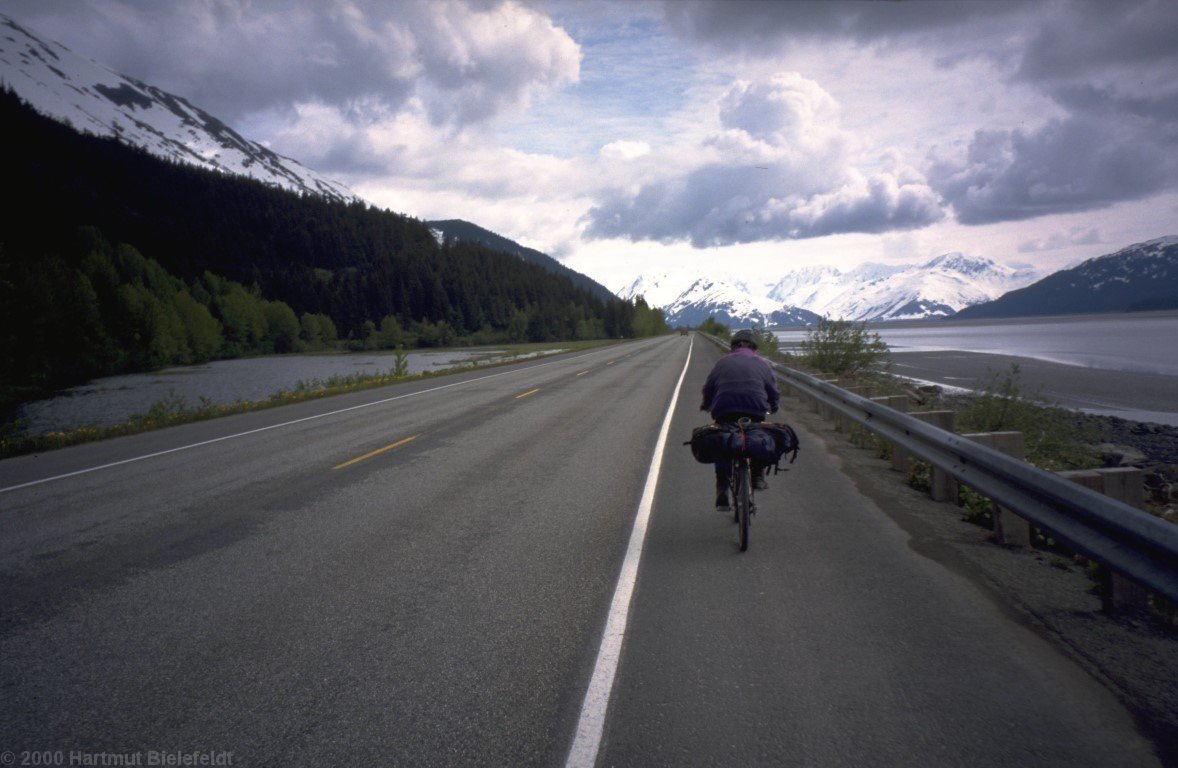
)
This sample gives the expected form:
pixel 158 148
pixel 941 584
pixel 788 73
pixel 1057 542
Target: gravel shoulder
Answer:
pixel 1134 656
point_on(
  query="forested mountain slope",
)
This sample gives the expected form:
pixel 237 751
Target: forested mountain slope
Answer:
pixel 457 230
pixel 359 266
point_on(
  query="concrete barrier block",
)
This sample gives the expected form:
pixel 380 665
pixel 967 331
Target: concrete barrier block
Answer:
pixel 900 456
pixel 1125 484
pixel 1009 528
pixel 943 486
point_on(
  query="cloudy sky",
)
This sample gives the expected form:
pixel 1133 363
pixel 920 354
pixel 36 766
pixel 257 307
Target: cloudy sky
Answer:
pixel 643 137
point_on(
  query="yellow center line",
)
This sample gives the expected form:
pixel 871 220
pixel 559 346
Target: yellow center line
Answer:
pixel 611 362
pixel 582 373
pixel 377 452
pixel 525 394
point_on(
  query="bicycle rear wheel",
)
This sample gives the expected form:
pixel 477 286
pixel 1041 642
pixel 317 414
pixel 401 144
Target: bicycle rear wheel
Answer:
pixel 743 503
pixel 733 473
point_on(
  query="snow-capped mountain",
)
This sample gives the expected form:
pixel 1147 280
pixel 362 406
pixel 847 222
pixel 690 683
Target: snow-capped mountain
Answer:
pixel 94 99
pixel 1139 277
pixel 936 288
pixel 728 302
pixel 660 289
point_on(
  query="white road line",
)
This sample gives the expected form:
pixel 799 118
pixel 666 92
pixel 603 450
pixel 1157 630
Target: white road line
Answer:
pixel 278 426
pixel 592 722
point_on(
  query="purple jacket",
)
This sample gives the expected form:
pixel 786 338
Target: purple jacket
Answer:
pixel 741 382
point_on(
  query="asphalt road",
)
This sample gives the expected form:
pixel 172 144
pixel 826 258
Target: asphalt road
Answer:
pixel 420 576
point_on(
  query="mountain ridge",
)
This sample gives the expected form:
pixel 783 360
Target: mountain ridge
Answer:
pixel 938 287
pixel 1140 276
pixel 451 230
pixel 94 99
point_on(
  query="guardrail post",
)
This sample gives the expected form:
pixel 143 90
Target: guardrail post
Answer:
pixel 1009 528
pixel 817 406
pixel 1107 529
pixel 1089 478
pixel 942 485
pixel 829 413
pixel 899 455
pixel 896 403
pixel 856 431
pixel 1123 484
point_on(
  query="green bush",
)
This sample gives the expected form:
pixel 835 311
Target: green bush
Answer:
pixel 767 344
pixel 715 328
pixel 844 348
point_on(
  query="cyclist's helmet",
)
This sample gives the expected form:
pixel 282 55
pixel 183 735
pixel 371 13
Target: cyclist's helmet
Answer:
pixel 747 337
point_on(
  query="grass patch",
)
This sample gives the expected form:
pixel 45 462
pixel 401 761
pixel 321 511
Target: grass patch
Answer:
pixel 1053 437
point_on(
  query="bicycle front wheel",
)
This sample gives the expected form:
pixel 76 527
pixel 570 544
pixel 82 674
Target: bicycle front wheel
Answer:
pixel 743 503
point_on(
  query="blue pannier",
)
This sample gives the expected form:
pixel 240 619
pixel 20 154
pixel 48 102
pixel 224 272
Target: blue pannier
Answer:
pixel 786 439
pixel 763 443
pixel 754 442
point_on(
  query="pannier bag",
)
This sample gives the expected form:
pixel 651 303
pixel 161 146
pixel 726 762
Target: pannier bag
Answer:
pixel 763 443
pixel 786 439
pixel 709 443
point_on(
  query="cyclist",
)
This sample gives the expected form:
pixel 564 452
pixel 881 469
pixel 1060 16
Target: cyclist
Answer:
pixel 740 384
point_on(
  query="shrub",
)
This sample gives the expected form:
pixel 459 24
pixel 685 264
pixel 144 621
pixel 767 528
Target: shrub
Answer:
pixel 844 348
pixel 767 344
pixel 715 328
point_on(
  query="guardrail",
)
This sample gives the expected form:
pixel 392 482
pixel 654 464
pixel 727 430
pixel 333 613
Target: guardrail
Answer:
pixel 1127 540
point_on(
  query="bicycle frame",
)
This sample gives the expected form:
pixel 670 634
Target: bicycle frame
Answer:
pixel 740 483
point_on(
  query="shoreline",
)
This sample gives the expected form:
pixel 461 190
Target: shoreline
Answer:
pixel 1140 431
pixel 1142 397
pixel 949 322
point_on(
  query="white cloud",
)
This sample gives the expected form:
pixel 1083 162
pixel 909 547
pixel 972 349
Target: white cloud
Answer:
pixel 1069 165
pixel 1058 240
pixel 467 61
pixel 782 167
pixel 771 134
pixel 481 62
pixel 625 150
pixel 1104 130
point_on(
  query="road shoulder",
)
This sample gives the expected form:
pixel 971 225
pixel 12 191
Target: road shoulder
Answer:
pixel 1135 657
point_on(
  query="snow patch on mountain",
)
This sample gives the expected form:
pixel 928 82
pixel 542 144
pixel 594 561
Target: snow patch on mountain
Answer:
pixel 1142 276
pixel 869 292
pixel 94 99
pixel 1139 263
pixel 726 299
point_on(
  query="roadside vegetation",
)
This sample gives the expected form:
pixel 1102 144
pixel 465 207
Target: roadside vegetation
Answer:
pixel 109 309
pixel 174 409
pixel 1054 439
pixel 113 261
pixel 843 348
